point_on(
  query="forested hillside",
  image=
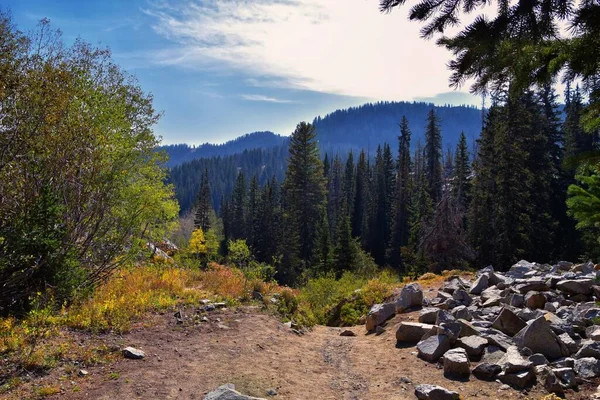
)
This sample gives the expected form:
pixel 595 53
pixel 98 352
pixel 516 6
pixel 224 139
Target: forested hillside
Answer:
pixel 180 153
pixel 371 125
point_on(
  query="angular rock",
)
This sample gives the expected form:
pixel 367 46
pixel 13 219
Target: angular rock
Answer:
pixel 515 300
pixel 432 348
pixel 566 376
pixel 590 349
pixel 528 314
pixel 462 312
pixel 496 338
pixel 535 300
pixel 587 367
pixel 133 353
pixel 513 361
pixel 462 297
pixel 412 332
pixel 448 325
pixel 473 345
pixel 410 296
pixel 539 337
pixel 532 284
pixel 456 363
pixel 434 392
pixel 593 333
pixel 492 354
pixel 565 362
pixel 228 392
pixel 486 371
pixel 538 359
pixel 549 380
pixel 517 380
pixel 348 333
pixel 508 322
pixel 428 315
pixel 378 314
pixel 466 328
pixel 480 284
pixel 576 286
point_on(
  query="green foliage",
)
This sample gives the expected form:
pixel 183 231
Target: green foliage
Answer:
pixel 238 252
pixel 584 199
pixel 76 129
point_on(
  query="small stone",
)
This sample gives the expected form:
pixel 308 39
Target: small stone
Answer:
pixel 486 371
pixel 432 348
pixel 535 300
pixel 434 392
pixel 133 353
pixel 347 332
pixel 83 372
pixel 518 380
pixel 428 315
pixel 271 392
pixel 538 359
pixel 412 331
pixel 379 330
pixel 513 361
pixel 474 345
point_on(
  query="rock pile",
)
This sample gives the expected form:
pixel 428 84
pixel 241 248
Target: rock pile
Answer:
pixel 533 323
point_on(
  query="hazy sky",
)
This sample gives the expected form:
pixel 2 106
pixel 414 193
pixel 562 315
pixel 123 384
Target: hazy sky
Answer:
pixel 222 68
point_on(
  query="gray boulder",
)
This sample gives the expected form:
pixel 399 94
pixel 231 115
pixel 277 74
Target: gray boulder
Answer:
pixel 538 359
pixel 539 337
pixel 496 338
pixel 448 325
pixel 473 345
pixel 566 376
pixel 568 342
pixel 228 392
pixel 378 314
pixel 517 380
pixel 589 349
pixel 513 361
pixel 480 284
pixel 486 371
pixel 587 367
pixel 456 363
pixel 432 348
pixel 576 286
pixel 434 392
pixel 428 315
pixel 412 332
pixel 462 312
pixel 462 297
pixel 549 379
pixel 410 296
pixel 532 284
pixel 593 333
pixel 466 328
pixel 492 355
pixel 508 322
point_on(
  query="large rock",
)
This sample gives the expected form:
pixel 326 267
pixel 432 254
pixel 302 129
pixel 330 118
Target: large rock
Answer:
pixel 587 367
pixel 428 315
pixel 566 376
pixel 462 297
pixel 508 322
pixel 434 392
pixel 462 312
pixel 535 300
pixel 378 314
pixel 492 355
pixel 576 286
pixel 593 333
pixel 486 371
pixel 532 284
pixel 569 343
pixel 496 338
pixel 410 296
pixel 448 325
pixel 228 392
pixel 432 348
pixel 539 337
pixel 480 284
pixel 549 379
pixel 513 361
pixel 590 349
pixel 538 359
pixel 473 345
pixel 133 353
pixel 412 332
pixel 456 363
pixel 466 328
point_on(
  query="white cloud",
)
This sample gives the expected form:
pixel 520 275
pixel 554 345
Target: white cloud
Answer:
pixel 260 97
pixel 343 47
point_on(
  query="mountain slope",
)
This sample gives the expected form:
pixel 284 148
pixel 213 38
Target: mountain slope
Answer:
pixel 180 153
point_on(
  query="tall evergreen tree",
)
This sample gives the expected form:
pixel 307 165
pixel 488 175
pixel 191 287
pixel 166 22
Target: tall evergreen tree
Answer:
pixel 433 157
pixel 461 176
pixel 304 190
pixel 421 212
pixel 346 250
pixel 335 194
pixel 269 223
pixel 381 222
pixel 203 204
pixel 360 196
pixel 323 259
pixel 252 216
pixel 402 198
pixel 238 208
pixel 349 184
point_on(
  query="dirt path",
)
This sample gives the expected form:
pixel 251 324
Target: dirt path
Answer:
pixel 256 352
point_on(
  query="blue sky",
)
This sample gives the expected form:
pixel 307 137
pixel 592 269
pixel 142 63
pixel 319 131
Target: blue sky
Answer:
pixel 222 68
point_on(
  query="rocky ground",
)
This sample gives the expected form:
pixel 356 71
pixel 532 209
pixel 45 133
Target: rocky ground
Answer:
pixel 264 358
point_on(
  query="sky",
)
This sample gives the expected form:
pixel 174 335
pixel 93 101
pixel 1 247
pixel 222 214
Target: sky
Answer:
pixel 222 68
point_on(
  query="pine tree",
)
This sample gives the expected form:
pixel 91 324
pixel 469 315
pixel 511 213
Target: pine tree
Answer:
pixel 433 157
pixel 304 191
pixel 402 199
pixel 252 216
pixel 203 204
pixel 360 196
pixel 461 177
pixel 381 222
pixel 421 211
pixel 346 250
pixel 577 141
pixel 269 222
pixel 323 250
pixel 334 194
pixel 349 184
pixel 238 208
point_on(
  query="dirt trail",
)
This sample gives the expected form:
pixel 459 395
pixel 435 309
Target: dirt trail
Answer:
pixel 256 352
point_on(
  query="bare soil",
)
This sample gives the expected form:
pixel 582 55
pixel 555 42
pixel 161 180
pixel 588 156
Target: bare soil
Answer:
pixel 256 352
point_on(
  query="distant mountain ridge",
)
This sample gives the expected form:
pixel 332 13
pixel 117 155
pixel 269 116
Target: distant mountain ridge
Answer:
pixel 355 128
pixel 180 153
